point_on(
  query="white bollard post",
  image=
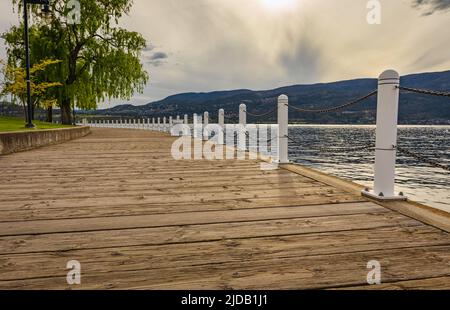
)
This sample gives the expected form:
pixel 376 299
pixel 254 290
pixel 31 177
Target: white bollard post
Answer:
pixel 164 124
pixel 186 122
pixel 194 123
pixel 197 124
pixel 159 124
pixel 386 138
pixel 205 123
pixel 242 138
pixel 221 118
pixel 243 114
pixel 283 120
pixel 221 121
pixel 170 124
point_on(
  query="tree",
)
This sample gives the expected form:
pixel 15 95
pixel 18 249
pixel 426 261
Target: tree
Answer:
pixel 100 60
pixel 14 83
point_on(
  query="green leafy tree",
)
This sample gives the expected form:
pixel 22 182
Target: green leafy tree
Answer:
pixel 99 60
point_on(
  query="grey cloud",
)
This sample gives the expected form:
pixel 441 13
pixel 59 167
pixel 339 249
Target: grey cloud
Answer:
pixel 149 48
pixel 158 56
pixel 157 59
pixel 302 59
pixel 432 6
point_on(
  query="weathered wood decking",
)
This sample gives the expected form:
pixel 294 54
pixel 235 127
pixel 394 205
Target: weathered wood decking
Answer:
pixel 135 218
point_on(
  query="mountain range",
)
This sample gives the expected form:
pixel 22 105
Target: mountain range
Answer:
pixel 414 108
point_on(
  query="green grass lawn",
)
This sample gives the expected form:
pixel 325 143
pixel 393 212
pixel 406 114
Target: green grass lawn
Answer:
pixel 8 124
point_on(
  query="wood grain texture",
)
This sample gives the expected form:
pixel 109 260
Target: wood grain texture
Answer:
pixel 137 219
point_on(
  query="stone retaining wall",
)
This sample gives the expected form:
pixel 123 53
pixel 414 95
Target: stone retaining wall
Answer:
pixel 12 142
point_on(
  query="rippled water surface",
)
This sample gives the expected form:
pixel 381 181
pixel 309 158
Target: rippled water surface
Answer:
pixel 418 181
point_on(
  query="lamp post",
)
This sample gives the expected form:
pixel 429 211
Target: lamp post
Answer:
pixel 46 9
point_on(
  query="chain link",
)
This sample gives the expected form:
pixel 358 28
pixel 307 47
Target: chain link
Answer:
pixel 423 159
pixel 424 91
pixel 333 109
pixel 262 115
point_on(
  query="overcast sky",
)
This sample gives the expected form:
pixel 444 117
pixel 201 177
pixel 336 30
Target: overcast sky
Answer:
pixel 207 45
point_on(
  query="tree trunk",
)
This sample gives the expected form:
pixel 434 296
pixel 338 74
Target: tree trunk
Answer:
pixel 66 115
pixel 49 118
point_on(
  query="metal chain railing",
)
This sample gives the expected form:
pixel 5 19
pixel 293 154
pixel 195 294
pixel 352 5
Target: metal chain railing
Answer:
pixel 423 159
pixel 372 146
pixel 337 108
pixel 424 91
pixel 263 114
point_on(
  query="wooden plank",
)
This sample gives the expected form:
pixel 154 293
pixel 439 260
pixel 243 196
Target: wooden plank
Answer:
pixel 37 265
pixel 186 218
pixel 312 272
pixel 136 175
pixel 43 212
pixel 196 233
pixel 116 199
pixel 118 182
pixel 157 190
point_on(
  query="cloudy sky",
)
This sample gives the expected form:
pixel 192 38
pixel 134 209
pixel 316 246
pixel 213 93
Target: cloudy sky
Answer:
pixel 206 45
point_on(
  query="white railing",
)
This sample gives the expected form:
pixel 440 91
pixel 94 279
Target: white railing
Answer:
pixel 386 131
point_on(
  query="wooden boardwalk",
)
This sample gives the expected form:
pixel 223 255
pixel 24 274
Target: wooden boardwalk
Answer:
pixel 137 219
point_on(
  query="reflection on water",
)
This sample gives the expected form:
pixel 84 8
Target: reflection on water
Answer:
pixel 418 181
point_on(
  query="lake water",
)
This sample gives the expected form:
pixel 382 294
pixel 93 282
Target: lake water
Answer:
pixel 419 181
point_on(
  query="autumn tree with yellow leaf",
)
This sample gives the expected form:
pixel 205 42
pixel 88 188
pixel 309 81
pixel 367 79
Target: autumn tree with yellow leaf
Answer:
pixel 14 83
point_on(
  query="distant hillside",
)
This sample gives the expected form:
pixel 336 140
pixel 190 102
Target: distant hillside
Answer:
pixel 414 108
